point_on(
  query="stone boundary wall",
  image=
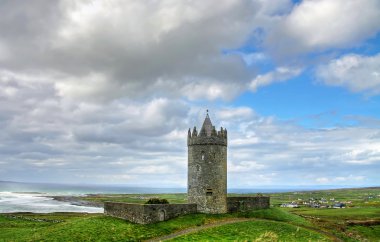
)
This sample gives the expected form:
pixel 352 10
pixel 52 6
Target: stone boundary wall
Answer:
pixel 241 204
pixel 147 213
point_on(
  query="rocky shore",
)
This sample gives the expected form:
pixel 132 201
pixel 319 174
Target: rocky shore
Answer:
pixel 78 201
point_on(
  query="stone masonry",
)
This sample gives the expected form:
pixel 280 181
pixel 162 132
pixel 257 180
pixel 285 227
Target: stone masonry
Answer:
pixel 147 213
pixel 207 168
pixel 243 204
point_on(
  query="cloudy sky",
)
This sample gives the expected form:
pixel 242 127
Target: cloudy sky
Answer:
pixel 104 91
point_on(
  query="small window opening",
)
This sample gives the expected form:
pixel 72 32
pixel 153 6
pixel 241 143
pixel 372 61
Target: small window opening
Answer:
pixel 214 155
pixel 203 155
pixel 198 167
pixel 209 192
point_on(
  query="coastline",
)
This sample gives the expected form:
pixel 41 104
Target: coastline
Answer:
pixel 77 201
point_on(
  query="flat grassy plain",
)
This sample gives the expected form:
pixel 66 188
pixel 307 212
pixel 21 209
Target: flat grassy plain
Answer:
pixel 360 222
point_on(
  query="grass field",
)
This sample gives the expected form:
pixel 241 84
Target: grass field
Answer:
pixel 136 198
pixel 97 227
pixel 255 231
pixel 345 223
pixel 359 197
pixel 361 222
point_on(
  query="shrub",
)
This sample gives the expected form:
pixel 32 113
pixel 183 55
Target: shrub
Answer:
pixel 157 201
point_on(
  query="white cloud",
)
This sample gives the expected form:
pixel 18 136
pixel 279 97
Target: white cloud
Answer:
pixel 151 169
pixel 244 166
pixel 337 23
pixel 301 156
pixel 48 137
pixel 279 75
pixel 323 180
pixel 144 49
pixel 235 114
pixel 109 49
pixel 319 25
pixel 356 72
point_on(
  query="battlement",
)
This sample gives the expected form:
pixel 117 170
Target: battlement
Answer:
pixel 208 135
pixel 207 138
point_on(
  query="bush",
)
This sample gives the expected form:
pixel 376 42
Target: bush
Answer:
pixel 157 201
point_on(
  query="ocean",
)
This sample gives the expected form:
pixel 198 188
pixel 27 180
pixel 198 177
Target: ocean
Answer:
pixel 35 197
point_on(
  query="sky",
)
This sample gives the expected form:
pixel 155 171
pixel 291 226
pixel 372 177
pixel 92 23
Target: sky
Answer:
pixel 104 91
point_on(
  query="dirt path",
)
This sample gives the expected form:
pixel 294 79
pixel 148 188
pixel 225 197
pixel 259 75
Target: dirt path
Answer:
pixel 231 221
pixel 198 228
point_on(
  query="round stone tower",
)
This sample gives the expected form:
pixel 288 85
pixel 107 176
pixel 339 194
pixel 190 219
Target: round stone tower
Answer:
pixel 207 168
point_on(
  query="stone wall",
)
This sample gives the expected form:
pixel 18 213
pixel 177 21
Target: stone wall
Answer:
pixel 241 204
pixel 147 213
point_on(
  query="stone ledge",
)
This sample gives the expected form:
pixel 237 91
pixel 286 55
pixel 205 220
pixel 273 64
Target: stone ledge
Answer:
pixel 207 141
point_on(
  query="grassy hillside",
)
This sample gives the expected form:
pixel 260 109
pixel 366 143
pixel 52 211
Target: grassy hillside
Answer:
pixel 255 231
pixel 97 227
pixel 353 224
pixel 358 222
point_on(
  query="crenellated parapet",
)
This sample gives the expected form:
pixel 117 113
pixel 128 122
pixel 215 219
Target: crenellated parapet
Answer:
pixel 204 137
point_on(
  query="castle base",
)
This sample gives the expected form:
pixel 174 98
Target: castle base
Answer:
pixel 153 213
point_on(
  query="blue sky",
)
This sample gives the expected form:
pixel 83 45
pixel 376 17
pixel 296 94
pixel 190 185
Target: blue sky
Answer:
pixel 105 91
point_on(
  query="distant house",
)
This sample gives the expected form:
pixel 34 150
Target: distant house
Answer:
pixel 290 205
pixel 339 205
pixel 315 205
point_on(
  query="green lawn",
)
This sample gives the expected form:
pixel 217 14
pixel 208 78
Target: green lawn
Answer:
pixel 337 221
pixel 340 214
pixel 97 227
pixel 255 231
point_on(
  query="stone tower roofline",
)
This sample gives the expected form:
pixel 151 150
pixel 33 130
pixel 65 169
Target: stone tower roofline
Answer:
pixel 207 135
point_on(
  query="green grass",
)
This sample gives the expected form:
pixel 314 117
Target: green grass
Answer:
pixel 336 221
pixel 277 214
pixel 359 197
pixel 82 227
pixel 92 227
pixel 254 231
pixel 363 197
pixel 340 214
pixel 371 233
pixel 136 198
pixel 97 227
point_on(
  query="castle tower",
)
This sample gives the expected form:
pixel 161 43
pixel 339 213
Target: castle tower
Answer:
pixel 207 168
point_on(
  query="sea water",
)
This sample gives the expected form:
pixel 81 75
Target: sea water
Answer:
pixel 11 202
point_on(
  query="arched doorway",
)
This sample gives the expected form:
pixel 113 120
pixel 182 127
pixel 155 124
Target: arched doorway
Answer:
pixel 161 215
